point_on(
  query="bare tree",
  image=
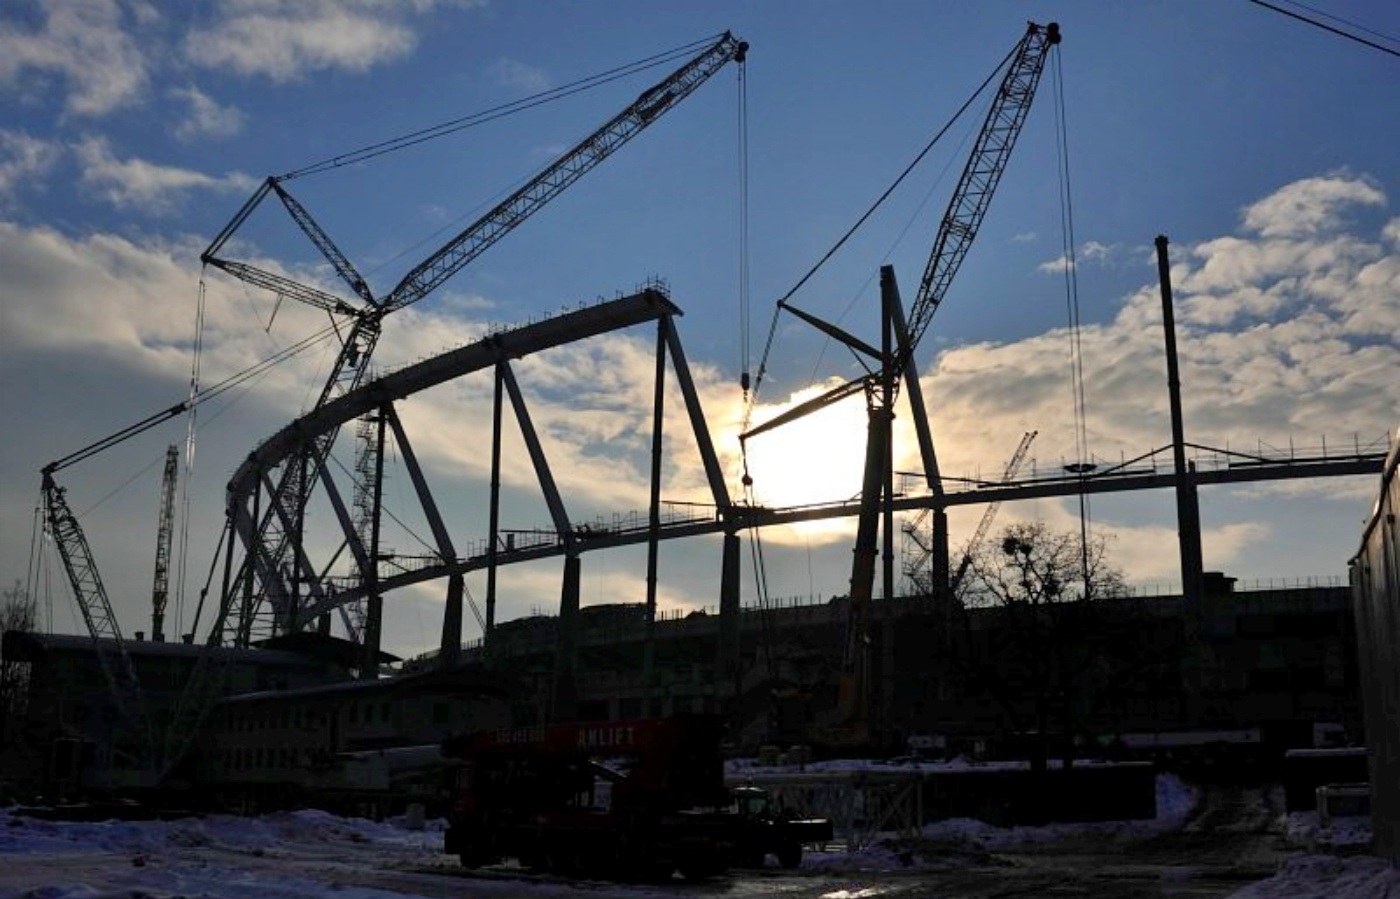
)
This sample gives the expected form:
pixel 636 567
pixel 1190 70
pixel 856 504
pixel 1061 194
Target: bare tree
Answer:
pixel 16 614
pixel 1048 648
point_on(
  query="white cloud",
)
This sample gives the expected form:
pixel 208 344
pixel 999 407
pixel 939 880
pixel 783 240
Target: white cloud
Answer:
pixel 1094 250
pixel 145 185
pixel 1392 231
pixel 1025 237
pixel 1089 251
pixel 1282 339
pixel 1310 206
pixel 284 39
pixel 23 157
pixel 205 117
pixel 519 76
pixel 84 43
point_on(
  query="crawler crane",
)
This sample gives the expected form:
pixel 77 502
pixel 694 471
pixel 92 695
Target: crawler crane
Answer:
pixel 893 362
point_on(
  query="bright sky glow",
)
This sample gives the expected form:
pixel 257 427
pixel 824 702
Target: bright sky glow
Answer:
pixel 131 132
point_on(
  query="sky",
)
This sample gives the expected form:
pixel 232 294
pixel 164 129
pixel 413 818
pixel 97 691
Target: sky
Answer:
pixel 131 133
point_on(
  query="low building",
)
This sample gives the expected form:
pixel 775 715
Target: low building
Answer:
pixel 1375 580
pixel 70 735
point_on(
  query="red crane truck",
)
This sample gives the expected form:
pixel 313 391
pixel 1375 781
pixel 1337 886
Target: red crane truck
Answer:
pixel 626 799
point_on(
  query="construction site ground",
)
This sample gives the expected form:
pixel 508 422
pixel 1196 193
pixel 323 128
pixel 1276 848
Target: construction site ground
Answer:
pixel 1234 841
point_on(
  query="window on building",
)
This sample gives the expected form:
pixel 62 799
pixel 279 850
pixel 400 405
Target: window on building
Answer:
pixel 439 713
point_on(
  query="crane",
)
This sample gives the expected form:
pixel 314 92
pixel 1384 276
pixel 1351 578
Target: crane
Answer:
pixel 160 589
pixel 915 568
pixel 955 585
pixel 270 554
pixel 96 608
pixel 893 360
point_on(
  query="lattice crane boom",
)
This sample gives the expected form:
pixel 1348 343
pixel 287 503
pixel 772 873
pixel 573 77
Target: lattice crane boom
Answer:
pixel 165 532
pixel 980 176
pixel 990 514
pixel 98 615
pixel 565 170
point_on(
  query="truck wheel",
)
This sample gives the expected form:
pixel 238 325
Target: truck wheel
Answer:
pixel 700 869
pixel 790 855
pixel 562 859
pixel 749 859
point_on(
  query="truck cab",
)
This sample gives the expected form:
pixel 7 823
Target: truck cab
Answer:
pixel 764 828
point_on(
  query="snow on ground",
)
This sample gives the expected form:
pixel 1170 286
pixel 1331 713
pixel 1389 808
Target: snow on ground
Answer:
pixel 316 855
pixel 1328 877
pixel 1303 830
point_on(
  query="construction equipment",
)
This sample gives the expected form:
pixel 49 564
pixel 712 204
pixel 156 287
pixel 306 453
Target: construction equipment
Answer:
pixel 916 564
pixel 165 531
pixel 621 798
pixel 135 739
pixel 955 585
pixel 893 361
pixel 767 829
pixel 274 569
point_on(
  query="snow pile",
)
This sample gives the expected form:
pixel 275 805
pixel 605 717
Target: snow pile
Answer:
pixel 1305 830
pixel 1328 877
pixel 1175 801
pixel 21 834
pixel 266 834
pixel 962 842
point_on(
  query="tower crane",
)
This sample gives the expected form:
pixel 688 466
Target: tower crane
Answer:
pixel 893 361
pixel 160 589
pixel 274 567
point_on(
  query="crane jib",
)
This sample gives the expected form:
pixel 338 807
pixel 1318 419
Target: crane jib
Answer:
pixel 980 176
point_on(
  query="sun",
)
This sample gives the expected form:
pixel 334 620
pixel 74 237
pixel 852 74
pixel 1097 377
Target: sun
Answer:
pixel 815 459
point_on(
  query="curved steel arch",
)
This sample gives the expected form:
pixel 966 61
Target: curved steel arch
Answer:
pixel 257 586
pixel 648 305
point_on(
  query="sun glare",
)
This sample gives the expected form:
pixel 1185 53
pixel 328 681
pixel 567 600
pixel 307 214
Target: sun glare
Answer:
pixel 816 459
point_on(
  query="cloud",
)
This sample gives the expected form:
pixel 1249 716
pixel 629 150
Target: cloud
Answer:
pixel 1391 231
pixel 82 43
pixel 22 158
pixel 1311 206
pixel 1025 237
pixel 1089 251
pixel 1284 338
pixel 205 117
pixel 285 39
pixel 519 76
pixel 145 185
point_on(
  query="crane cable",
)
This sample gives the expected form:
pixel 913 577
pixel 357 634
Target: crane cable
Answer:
pixel 743 154
pixel 1081 432
pixel 190 432
pixel 778 307
pixel 442 129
